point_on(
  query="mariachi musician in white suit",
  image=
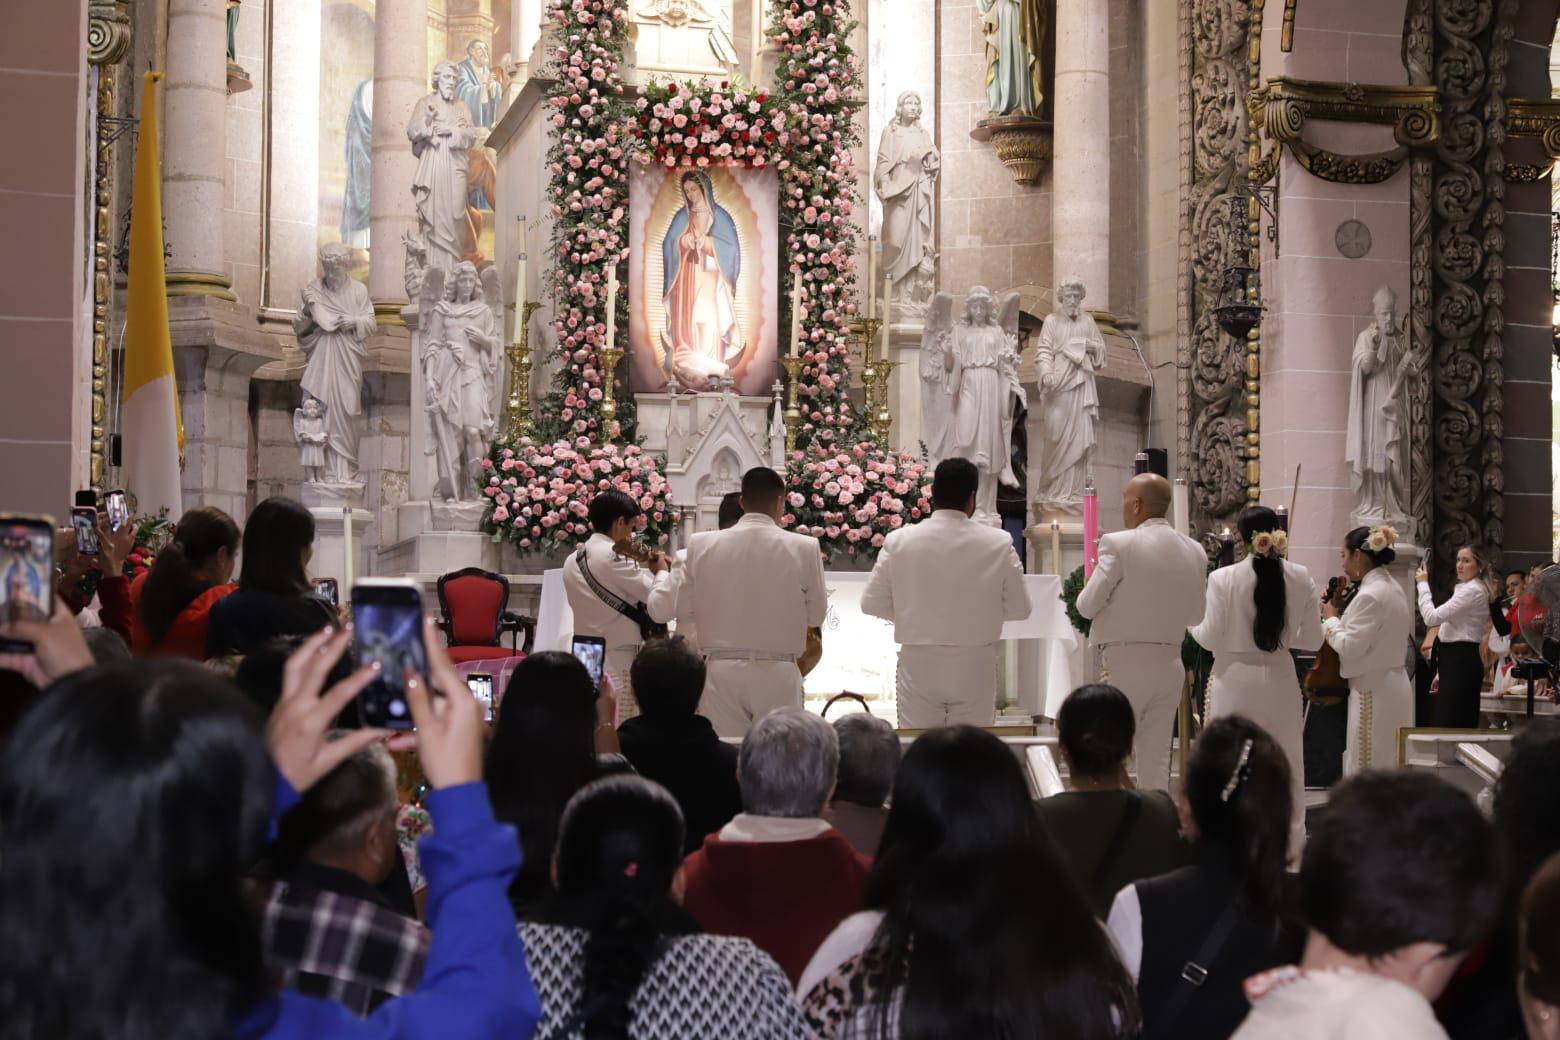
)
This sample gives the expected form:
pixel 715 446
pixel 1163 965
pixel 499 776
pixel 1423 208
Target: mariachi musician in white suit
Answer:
pixel 948 584
pixel 756 590
pixel 1369 637
pixel 1147 589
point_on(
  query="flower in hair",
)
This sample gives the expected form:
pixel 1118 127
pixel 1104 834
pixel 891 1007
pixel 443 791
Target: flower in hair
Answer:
pixel 1265 543
pixel 1281 542
pixel 1381 537
pixel 632 869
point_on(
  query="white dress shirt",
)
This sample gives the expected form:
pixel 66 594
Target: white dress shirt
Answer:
pixel 1293 1004
pixel 1463 617
pixel 1226 628
pixel 1147 587
pixel 753 587
pixel 1371 634
pixel 622 577
pixel 947 581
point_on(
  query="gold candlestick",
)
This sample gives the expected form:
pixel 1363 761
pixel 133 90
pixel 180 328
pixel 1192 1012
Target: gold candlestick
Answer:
pixel 866 331
pixel 519 405
pixel 880 419
pixel 793 414
pixel 610 356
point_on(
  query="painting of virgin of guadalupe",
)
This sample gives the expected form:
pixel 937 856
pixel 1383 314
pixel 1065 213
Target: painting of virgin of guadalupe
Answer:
pixel 702 278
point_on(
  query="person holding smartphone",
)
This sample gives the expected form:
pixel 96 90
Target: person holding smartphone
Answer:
pixel 1462 620
pixel 173 600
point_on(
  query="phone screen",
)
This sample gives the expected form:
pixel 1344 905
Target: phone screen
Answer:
pixel 326 587
pixel 481 686
pixel 388 622
pixel 84 520
pixel 592 653
pixel 26 572
pixel 118 510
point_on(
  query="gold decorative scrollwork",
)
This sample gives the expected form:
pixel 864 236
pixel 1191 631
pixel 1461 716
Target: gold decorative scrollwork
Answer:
pixel 108 31
pixel 1347 169
pixel 1283 106
pixel 1530 118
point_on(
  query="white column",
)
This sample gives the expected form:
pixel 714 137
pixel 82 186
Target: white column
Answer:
pixel 195 147
pixel 295 172
pixel 400 79
pixel 1081 167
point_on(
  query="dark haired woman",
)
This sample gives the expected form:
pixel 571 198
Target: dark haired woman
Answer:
pixel 274 597
pixel 613 954
pixel 1015 954
pixel 136 796
pixel 1464 620
pixel 1235 807
pixel 1369 639
pixel 544 749
pixel 171 603
pixel 1258 611
pixel 1110 833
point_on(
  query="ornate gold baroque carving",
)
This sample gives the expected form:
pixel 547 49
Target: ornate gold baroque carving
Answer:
pixel 1533 118
pixel 108 31
pixel 1283 106
pixel 1022 143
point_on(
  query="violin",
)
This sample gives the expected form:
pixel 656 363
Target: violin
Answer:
pixel 1325 679
pixel 647 557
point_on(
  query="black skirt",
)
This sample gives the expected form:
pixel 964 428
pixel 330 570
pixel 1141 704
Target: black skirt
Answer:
pixel 1462 677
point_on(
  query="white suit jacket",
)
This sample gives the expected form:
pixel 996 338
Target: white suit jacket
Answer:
pixel 1373 632
pixel 622 577
pixel 752 586
pixel 1147 587
pixel 1226 628
pixel 947 581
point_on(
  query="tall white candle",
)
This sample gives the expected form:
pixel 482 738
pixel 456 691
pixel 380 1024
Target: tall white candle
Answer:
pixel 871 279
pixel 346 548
pixel 611 305
pixel 1180 507
pixel 520 287
pixel 796 313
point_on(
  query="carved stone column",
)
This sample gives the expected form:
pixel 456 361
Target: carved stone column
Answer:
pixel 1081 167
pixel 400 78
pixel 194 148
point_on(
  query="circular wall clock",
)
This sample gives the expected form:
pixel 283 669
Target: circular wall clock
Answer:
pixel 1352 239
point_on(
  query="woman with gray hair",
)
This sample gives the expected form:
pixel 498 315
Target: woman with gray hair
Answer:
pixel 779 874
pixel 869 755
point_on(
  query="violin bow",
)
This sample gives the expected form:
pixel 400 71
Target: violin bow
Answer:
pixel 1294 496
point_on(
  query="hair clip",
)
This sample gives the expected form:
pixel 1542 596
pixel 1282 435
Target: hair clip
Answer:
pixel 1242 770
pixel 632 869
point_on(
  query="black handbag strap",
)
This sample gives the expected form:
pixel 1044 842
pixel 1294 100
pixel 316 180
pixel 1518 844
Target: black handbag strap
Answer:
pixel 648 626
pixel 1118 838
pixel 1195 972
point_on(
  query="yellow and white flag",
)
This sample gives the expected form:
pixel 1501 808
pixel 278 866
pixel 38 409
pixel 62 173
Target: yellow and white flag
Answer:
pixel 151 431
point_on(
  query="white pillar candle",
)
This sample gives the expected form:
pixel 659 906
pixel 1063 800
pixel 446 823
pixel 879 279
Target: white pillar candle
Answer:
pixel 520 287
pixel 611 305
pixel 346 546
pixel 796 313
pixel 1180 507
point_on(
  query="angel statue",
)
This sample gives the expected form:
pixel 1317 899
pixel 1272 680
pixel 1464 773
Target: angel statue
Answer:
pixel 461 358
pixel 972 365
pixel 1070 351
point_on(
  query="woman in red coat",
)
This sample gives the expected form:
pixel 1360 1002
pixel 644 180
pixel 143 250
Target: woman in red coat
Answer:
pixel 172 601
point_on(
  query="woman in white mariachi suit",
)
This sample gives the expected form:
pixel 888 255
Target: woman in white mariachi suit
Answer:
pixel 1258 611
pixel 1370 638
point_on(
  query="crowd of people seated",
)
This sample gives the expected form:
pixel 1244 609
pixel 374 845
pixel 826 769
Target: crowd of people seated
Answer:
pixel 222 850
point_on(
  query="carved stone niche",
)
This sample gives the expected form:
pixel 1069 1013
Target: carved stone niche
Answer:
pixel 1023 143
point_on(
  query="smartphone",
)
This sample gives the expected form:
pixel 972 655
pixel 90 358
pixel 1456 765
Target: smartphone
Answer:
pixel 481 686
pixel 387 616
pixel 118 510
pixel 83 519
pixel 326 587
pixel 26 572
pixel 86 497
pixel 592 653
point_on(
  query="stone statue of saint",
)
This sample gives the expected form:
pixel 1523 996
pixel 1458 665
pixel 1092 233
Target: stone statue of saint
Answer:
pixel 1376 447
pixel 980 359
pixel 1070 352
pixel 461 356
pixel 333 320
pixel 1015 40
pixel 309 432
pixel 441 133
pixel 906 181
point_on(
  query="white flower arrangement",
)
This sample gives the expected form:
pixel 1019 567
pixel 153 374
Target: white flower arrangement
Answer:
pixel 1270 543
pixel 1381 537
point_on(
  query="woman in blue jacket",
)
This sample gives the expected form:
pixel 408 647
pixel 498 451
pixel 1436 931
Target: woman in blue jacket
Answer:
pixel 133 799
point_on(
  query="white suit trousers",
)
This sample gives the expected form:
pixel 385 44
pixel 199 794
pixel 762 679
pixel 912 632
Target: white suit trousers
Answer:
pixel 947 686
pixel 1151 676
pixel 737 693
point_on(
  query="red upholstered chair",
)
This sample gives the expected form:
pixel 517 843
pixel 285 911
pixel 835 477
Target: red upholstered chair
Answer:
pixel 472 605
